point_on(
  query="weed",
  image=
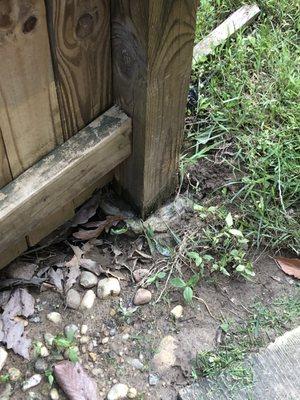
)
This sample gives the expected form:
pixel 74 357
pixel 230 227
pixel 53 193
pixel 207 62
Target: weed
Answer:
pixel 248 116
pixel 230 358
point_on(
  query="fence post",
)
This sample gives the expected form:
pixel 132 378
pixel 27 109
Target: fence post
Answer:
pixel 152 46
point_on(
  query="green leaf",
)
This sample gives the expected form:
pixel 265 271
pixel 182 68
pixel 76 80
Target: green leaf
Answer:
pixel 178 283
pixel 193 255
pixel 161 275
pixel 240 268
pixel 229 220
pixel 193 281
pixel 188 294
pixel 225 327
pixel 73 355
pixel 62 342
pixel 197 207
pixel 120 231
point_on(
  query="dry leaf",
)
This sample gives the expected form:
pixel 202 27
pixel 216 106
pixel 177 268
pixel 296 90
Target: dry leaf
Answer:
pixel 75 382
pixel 291 266
pixel 21 303
pixel 57 278
pixel 87 211
pixel 101 226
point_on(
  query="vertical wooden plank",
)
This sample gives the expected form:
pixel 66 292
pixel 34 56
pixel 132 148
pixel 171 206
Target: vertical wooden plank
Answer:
pixel 29 114
pixel 5 175
pixel 152 54
pixel 80 41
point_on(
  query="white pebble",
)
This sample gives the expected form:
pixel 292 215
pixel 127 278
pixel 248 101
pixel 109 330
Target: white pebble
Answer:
pixel 117 392
pixel 54 394
pixel 84 329
pixel 3 357
pixel 54 317
pixel 108 287
pixel 88 300
pixel 177 311
pixel 32 382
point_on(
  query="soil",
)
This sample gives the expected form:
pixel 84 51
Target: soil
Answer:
pixel 139 335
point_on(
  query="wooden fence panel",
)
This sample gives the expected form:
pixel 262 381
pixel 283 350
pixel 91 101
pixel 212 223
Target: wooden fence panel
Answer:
pixel 5 175
pixel 29 113
pixel 80 41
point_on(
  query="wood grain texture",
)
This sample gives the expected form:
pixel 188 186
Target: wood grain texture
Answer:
pixel 12 252
pixel 29 113
pixel 80 42
pixel 152 54
pixel 60 176
pixel 5 174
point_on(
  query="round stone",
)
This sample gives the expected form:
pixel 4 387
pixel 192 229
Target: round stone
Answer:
pixel 88 300
pixel 73 299
pixel 108 287
pixel 142 296
pixel 117 392
pixel 88 279
pixel 54 317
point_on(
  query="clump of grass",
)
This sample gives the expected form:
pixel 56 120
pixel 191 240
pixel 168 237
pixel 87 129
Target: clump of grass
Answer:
pixel 230 358
pixel 249 99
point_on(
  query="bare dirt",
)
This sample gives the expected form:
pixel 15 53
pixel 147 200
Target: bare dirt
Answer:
pixel 138 336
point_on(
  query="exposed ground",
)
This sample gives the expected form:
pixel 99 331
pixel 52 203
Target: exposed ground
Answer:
pixel 240 166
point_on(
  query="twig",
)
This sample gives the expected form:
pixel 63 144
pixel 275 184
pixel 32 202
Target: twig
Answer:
pixel 206 306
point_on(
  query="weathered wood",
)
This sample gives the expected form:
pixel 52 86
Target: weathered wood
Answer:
pixel 29 114
pixel 5 175
pixel 12 252
pixel 61 176
pixel 80 42
pixel 239 19
pixel 50 223
pixel 152 44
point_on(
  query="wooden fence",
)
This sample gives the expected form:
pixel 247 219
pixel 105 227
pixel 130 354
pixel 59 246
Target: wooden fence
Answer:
pixel 63 66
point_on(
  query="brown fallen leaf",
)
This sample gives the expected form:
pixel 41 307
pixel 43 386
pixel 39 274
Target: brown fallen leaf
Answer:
pixel 75 382
pixel 101 226
pixel 87 211
pixel 291 266
pixel 21 303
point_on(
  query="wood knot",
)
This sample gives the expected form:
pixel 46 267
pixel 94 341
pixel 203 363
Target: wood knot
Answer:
pixel 29 24
pixel 85 26
pixel 5 21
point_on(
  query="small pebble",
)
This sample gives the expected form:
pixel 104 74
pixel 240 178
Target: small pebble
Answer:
pixel 40 365
pixel 54 317
pixel 88 300
pixel 14 374
pixel 142 296
pixel 108 287
pixel 135 363
pixel 71 330
pixel 84 329
pixel 73 299
pixel 140 274
pixel 153 379
pixel 132 393
pixel 54 394
pixel 88 279
pixel 84 339
pixel 117 392
pixel 3 357
pixel 49 338
pixel 33 381
pixel 177 311
pixel 105 340
pixel 44 352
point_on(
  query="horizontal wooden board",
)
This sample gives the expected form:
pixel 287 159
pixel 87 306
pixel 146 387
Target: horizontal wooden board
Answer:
pixel 239 19
pixel 63 174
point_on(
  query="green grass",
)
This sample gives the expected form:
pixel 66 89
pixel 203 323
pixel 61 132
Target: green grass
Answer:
pixel 230 358
pixel 249 104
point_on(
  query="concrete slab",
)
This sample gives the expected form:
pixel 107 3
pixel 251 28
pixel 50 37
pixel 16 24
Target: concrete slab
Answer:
pixel 276 373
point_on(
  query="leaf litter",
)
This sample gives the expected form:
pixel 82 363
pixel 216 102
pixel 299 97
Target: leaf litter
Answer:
pixel 12 333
